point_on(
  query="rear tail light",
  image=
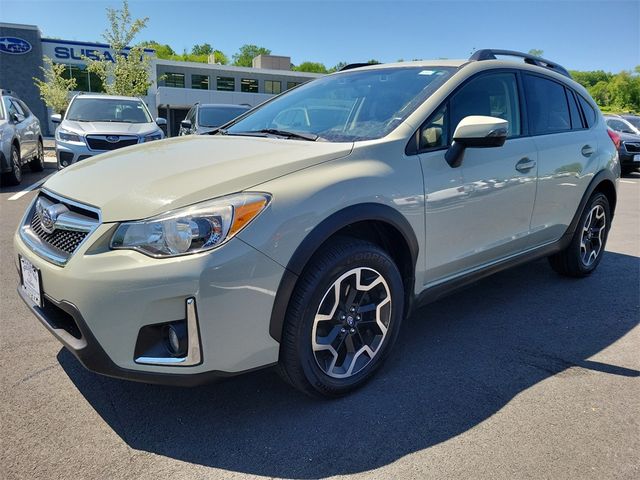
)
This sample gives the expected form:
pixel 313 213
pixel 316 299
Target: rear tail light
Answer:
pixel 615 138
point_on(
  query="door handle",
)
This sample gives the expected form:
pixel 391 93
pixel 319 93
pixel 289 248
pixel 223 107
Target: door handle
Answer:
pixel 587 150
pixel 525 164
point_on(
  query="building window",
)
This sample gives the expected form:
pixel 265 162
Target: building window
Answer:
pixel 272 86
pixel 85 81
pixel 249 85
pixel 228 84
pixel 290 85
pixel 200 82
pixel 174 80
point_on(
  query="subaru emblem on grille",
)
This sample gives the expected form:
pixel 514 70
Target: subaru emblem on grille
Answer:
pixel 49 215
pixel 112 138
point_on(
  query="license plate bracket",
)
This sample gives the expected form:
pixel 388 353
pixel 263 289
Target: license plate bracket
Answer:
pixel 31 281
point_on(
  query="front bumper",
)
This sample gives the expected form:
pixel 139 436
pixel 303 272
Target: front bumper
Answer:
pixel 111 295
pixel 68 153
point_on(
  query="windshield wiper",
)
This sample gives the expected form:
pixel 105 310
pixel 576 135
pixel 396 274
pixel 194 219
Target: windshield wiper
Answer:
pixel 312 137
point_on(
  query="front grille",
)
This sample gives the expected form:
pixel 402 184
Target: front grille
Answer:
pixel 70 224
pixel 101 142
pixel 65 240
pixel 632 147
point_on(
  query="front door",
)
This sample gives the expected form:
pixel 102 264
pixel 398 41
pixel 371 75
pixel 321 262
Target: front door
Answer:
pixel 481 211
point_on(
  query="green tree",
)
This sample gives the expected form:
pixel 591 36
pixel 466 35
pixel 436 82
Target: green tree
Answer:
pixel 204 49
pixel 313 67
pixel 536 52
pixel 337 67
pixel 163 51
pixel 247 53
pixel 128 73
pixel 55 88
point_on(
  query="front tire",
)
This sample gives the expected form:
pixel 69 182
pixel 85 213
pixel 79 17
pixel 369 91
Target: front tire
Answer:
pixel 343 318
pixel 586 249
pixel 14 177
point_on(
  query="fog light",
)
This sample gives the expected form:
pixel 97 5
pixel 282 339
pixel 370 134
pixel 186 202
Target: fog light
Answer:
pixel 173 341
pixel 64 163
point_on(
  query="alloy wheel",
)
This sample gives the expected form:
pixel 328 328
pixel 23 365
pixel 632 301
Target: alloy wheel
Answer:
pixel 17 170
pixel 592 239
pixel 351 323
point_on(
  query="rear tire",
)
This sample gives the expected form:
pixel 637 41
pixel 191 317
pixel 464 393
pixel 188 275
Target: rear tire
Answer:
pixel 14 177
pixel 343 318
pixel 37 163
pixel 586 249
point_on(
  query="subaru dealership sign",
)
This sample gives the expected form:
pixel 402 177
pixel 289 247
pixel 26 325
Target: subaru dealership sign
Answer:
pixel 69 52
pixel 14 46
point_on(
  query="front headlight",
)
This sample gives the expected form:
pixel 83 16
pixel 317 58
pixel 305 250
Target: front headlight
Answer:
pixel 193 229
pixel 152 137
pixel 67 136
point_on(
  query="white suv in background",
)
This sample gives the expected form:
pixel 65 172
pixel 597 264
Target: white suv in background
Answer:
pixel 99 123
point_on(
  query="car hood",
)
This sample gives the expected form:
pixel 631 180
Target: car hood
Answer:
pixel 148 179
pixel 110 128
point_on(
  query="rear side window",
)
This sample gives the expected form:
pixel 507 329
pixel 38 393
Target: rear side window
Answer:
pixel 589 112
pixel 547 105
pixel 576 118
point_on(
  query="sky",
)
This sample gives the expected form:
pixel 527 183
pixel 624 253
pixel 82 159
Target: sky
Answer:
pixel 578 34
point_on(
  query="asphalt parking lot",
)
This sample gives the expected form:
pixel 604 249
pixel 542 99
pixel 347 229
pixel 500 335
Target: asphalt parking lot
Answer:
pixel 523 375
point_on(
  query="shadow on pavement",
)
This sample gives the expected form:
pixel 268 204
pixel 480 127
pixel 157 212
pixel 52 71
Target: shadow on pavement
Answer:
pixel 457 362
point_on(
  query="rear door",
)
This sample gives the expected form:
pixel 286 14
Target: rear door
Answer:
pixel 23 132
pixel 559 121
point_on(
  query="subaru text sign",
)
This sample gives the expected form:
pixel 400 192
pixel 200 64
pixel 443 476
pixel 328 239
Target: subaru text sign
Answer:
pixel 69 52
pixel 14 46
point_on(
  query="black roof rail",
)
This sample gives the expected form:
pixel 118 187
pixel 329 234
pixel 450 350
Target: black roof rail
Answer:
pixel 490 54
pixel 355 65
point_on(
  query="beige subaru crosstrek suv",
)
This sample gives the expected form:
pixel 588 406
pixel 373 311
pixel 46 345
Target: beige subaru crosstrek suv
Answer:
pixel 302 233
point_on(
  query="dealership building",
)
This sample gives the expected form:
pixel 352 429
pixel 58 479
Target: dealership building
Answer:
pixel 176 86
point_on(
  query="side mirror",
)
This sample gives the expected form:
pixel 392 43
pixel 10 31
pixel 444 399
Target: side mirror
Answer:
pixel 16 117
pixel 476 131
pixel 161 122
pixel 186 124
pixel 56 118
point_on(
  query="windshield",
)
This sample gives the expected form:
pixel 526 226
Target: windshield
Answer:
pixel 107 110
pixel 635 121
pixel 216 116
pixel 350 106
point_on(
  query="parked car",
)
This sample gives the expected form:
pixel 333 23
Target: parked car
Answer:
pixel 305 248
pixel 96 123
pixel 629 148
pixel 203 118
pixel 20 138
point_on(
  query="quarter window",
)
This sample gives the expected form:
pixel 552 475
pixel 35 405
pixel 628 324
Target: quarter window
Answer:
pixel 547 104
pixel 227 84
pixel 174 80
pixel 494 95
pixel 249 85
pixel 200 82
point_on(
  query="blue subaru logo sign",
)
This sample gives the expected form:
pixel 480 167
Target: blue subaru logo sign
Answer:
pixel 14 45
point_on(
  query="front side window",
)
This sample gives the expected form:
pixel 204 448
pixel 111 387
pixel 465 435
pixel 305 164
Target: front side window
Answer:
pixel 494 95
pixel 200 82
pixel 174 80
pixel 272 86
pixel 350 106
pixel 249 85
pixel 547 104
pixel 108 110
